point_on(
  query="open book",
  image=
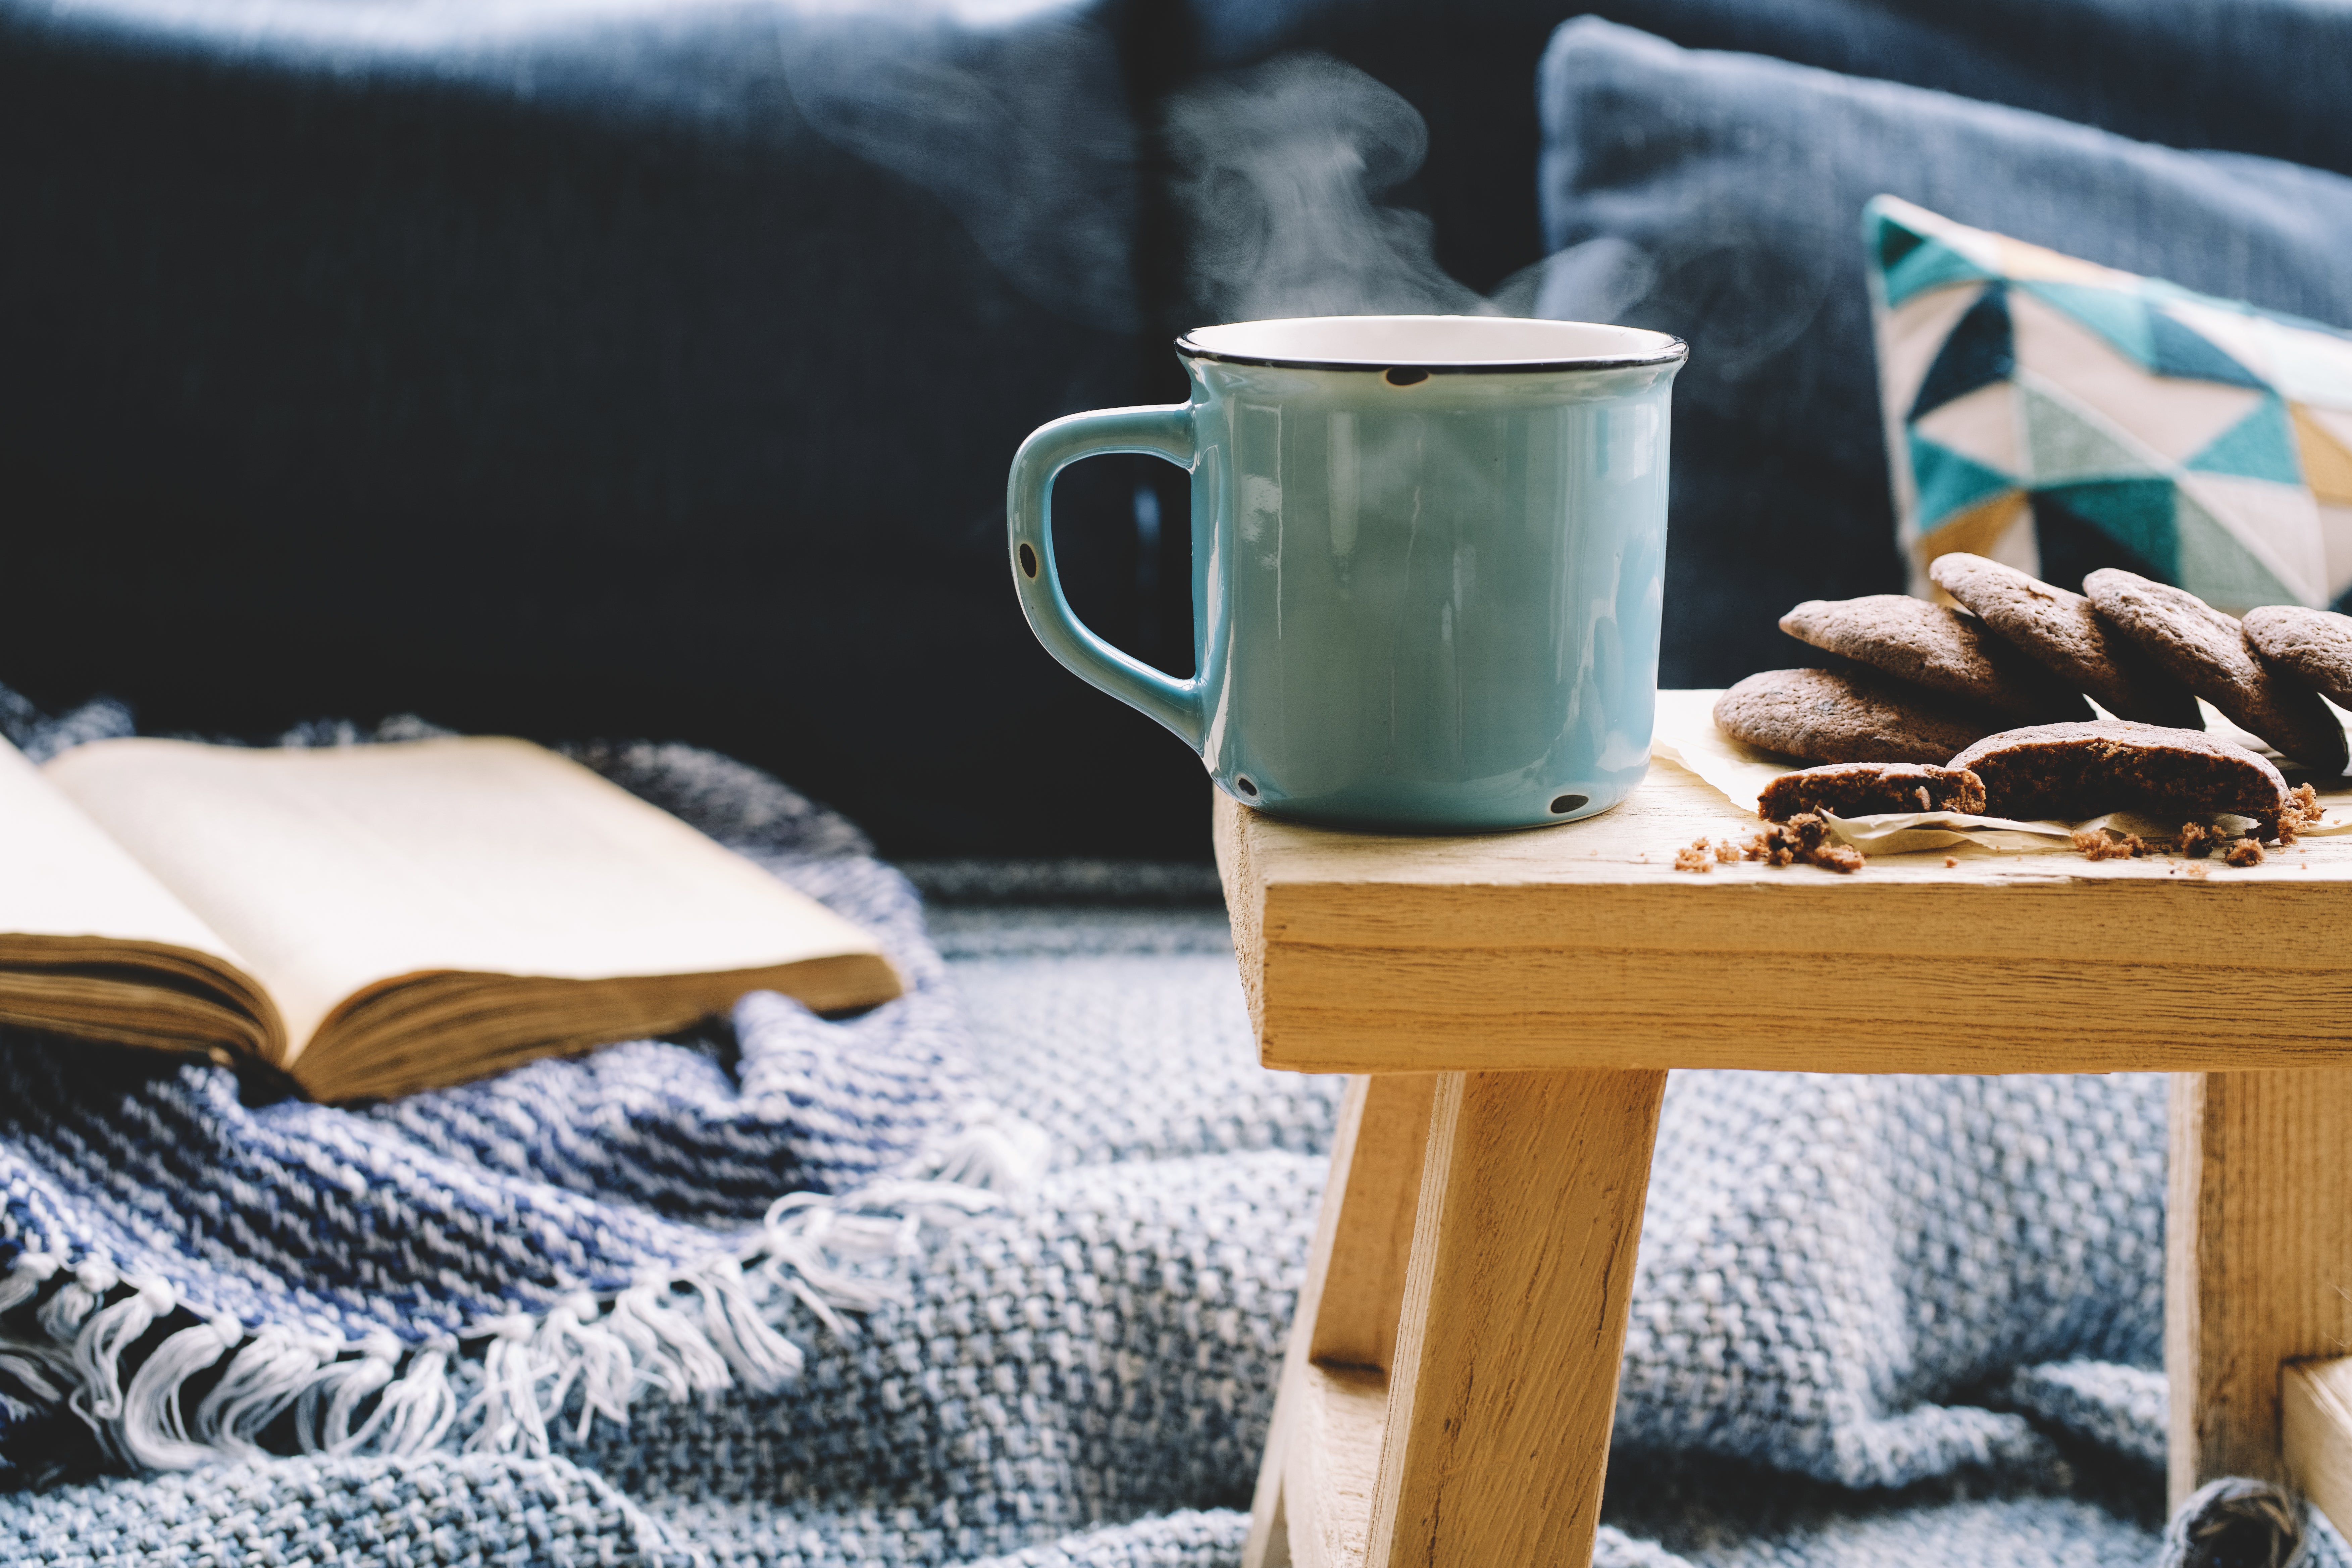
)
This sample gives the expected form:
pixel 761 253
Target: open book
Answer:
pixel 374 920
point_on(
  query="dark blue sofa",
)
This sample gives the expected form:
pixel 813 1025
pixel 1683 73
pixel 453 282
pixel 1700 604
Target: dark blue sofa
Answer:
pixel 580 369
pixel 625 368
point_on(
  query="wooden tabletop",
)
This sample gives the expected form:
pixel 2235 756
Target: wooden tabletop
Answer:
pixel 1582 946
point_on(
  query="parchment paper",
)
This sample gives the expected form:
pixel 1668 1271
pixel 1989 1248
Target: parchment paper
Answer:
pixel 1686 736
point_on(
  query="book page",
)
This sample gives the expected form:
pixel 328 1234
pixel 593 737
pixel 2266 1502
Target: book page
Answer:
pixel 335 869
pixel 92 945
pixel 61 876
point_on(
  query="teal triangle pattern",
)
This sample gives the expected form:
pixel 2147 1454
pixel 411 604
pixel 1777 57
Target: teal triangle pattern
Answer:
pixel 2181 351
pixel 2261 445
pixel 2215 566
pixel 1930 264
pixel 2115 314
pixel 1889 237
pixel 1949 482
pixel 1980 350
pixel 2097 494
pixel 2063 446
pixel 2138 514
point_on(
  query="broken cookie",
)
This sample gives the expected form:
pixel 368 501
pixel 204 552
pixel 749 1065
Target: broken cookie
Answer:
pixel 2074 771
pixel 1860 789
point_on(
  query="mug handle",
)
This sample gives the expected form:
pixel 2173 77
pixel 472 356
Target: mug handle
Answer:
pixel 1161 432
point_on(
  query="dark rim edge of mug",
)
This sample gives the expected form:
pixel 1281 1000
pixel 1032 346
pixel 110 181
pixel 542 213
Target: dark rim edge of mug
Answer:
pixel 1676 351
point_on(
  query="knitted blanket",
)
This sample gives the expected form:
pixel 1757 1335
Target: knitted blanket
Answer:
pixel 1001 1272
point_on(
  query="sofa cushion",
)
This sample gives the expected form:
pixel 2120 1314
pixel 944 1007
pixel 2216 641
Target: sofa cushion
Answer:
pixel 644 367
pixel 2041 410
pixel 1717 196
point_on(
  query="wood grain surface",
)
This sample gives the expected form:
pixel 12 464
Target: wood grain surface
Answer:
pixel 1346 1310
pixel 2258 1259
pixel 1580 946
pixel 1331 1467
pixel 2316 1433
pixel 1505 1381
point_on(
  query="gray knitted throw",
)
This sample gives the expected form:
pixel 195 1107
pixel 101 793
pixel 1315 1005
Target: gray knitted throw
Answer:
pixel 1001 1272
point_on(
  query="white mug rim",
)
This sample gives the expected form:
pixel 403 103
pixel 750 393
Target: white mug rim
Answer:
pixel 1442 345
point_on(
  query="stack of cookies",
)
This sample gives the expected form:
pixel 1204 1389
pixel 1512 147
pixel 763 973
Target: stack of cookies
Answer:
pixel 1997 687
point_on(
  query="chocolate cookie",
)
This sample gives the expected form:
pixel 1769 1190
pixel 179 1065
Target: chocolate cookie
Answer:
pixel 2059 631
pixel 1859 789
pixel 2073 771
pixel 1824 716
pixel 2207 651
pixel 1941 650
pixel 2313 646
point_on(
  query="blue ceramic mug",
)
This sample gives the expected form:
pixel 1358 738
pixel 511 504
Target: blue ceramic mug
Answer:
pixel 1428 558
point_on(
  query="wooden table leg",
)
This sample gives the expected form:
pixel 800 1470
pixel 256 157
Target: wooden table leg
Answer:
pixel 2259 1258
pixel 1467 1423
pixel 1344 1333
pixel 1505 1381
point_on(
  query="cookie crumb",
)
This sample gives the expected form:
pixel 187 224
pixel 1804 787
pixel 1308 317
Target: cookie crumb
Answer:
pixel 1726 851
pixel 1694 858
pixel 2098 845
pixel 2197 840
pixel 1804 836
pixel 2198 870
pixel 1950 862
pixel 2302 810
pixel 2244 852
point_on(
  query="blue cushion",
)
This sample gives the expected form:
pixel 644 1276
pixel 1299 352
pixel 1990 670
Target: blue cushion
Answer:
pixel 573 368
pixel 1719 197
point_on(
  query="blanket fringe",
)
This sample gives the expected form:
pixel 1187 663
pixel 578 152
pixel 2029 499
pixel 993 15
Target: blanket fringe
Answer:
pixel 32 1270
pixel 685 1334
pixel 995 1151
pixel 666 1351
pixel 415 1412
pixel 323 1411
pixel 506 1411
pixel 97 1350
pixel 153 1432
pixel 266 1377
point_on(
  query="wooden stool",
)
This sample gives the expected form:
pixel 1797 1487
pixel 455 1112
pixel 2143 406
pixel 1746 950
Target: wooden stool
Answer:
pixel 1513 1003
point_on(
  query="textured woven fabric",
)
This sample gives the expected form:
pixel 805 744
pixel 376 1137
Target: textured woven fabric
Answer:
pixel 1876 1319
pixel 408 1514
pixel 1829 1262
pixel 2122 1408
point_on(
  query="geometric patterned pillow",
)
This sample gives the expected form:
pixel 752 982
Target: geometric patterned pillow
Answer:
pixel 2060 415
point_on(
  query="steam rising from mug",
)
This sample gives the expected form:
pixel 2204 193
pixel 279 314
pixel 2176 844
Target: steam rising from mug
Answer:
pixel 1278 170
pixel 1005 118
pixel 1281 169
pixel 1278 173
